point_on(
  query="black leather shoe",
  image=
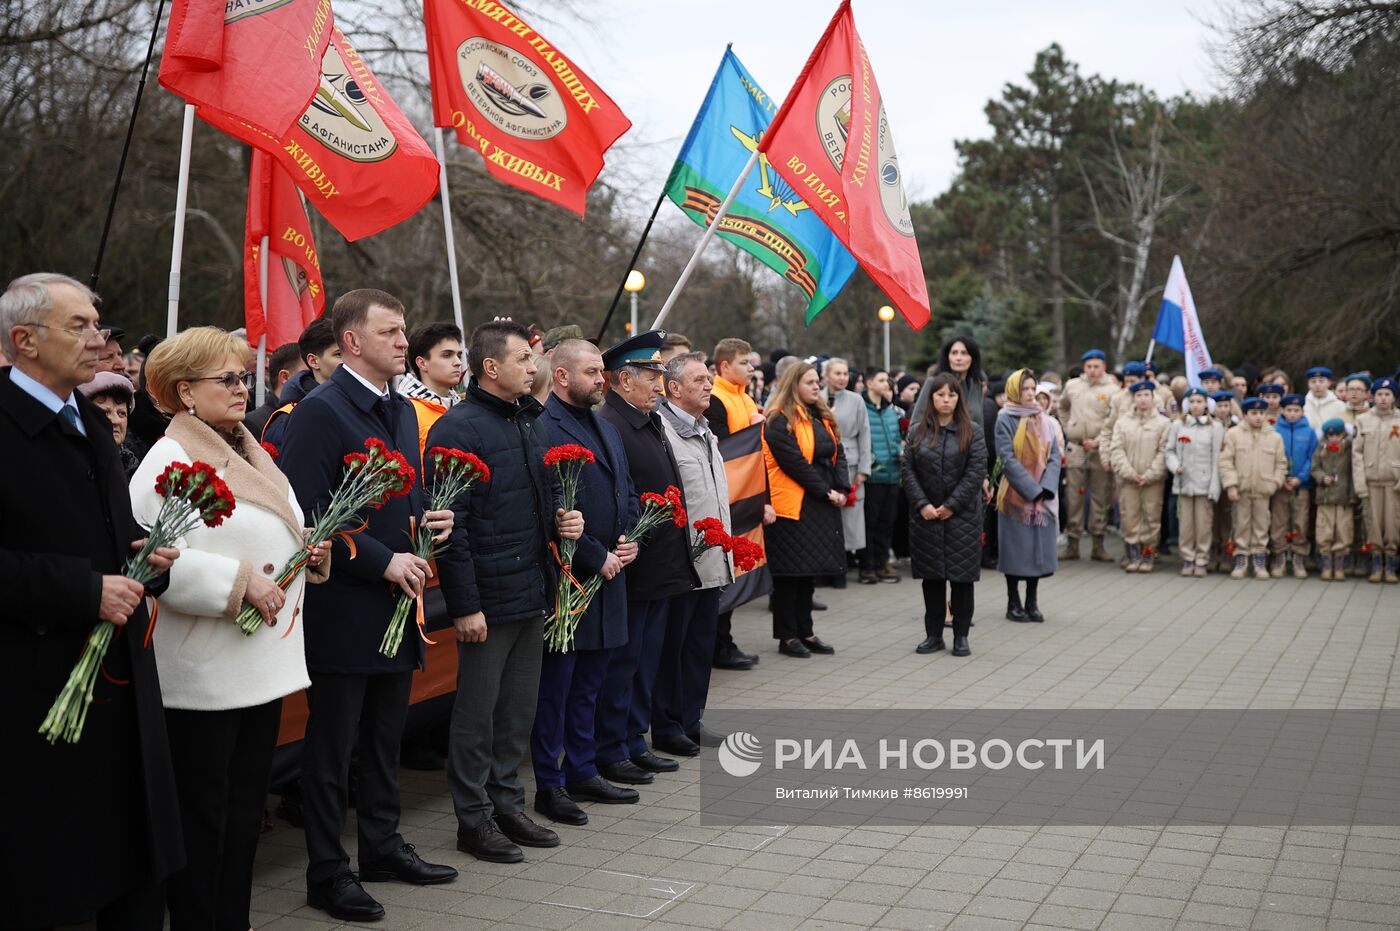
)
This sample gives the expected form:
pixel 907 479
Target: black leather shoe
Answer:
pixel 794 648
pixel 818 645
pixel 626 772
pixel 960 647
pixel 556 805
pixel 676 744
pixel 343 897
pixel 406 866
pixel 733 659
pixel 486 842
pixel 1033 613
pixel 518 827
pixel 751 657
pixel 818 606
pixel 651 763
pixel 1014 612
pixel 706 737
pixel 599 789
pixel 930 645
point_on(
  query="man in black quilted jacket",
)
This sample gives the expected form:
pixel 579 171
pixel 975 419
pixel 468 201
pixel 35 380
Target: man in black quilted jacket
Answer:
pixel 498 583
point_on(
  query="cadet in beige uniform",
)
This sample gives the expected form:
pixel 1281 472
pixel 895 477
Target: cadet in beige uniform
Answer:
pixel 1086 407
pixel 1193 459
pixel 1252 468
pixel 1137 452
pixel 1375 458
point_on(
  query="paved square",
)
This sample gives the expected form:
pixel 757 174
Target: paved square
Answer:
pixel 1112 640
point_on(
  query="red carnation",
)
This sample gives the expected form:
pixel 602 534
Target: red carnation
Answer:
pixel 569 452
pixel 1333 448
pixel 1183 439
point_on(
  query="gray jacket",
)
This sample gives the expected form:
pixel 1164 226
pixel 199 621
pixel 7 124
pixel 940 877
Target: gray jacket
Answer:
pixel 1200 458
pixel 854 423
pixel 705 484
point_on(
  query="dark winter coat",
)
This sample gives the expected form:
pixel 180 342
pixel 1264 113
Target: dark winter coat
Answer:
pixel 108 800
pixel 663 567
pixel 936 471
pixel 814 544
pixel 609 508
pixel 498 559
pixel 347 615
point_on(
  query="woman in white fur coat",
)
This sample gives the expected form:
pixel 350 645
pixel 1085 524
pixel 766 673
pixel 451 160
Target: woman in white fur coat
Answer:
pixel 222 690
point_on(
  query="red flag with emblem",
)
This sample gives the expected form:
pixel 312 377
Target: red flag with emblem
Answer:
pixel 353 153
pixel 541 124
pixel 831 141
pixel 295 292
pixel 253 61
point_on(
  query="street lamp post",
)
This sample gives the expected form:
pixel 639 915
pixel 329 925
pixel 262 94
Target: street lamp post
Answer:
pixel 635 282
pixel 886 314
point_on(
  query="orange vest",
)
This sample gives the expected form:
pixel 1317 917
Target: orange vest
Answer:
pixel 737 403
pixel 784 492
pixel 284 409
pixel 427 413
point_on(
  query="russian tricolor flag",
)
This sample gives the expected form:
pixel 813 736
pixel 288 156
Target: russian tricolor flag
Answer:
pixel 1179 327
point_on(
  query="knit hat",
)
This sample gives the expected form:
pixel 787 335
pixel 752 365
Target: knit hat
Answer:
pixel 110 383
pixel 903 382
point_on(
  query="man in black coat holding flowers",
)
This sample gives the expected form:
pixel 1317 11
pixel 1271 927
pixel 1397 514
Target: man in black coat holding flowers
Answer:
pixel 498 582
pixel 359 697
pixel 92 828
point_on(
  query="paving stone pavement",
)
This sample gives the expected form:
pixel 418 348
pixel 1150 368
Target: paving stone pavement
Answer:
pixel 1111 640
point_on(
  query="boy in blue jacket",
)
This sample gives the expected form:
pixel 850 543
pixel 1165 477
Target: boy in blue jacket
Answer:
pixel 1288 508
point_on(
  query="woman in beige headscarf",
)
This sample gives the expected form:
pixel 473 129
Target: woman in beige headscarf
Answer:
pixel 1029 459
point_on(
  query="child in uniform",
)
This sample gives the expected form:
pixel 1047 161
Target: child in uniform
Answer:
pixel 1227 413
pixel 1321 404
pixel 1336 496
pixel 1288 508
pixel 1137 454
pixel 1252 468
pixel 1273 397
pixel 1193 459
pixel 1357 393
pixel 1375 458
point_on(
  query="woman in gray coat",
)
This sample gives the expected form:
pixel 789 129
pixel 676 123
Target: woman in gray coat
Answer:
pixel 1027 518
pixel 945 462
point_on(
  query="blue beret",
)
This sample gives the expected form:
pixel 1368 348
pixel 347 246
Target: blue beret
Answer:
pixel 1335 425
pixel 1270 388
pixel 1135 368
pixel 1359 376
pixel 1212 373
pixel 1318 371
pixel 1223 396
pixel 1292 399
pixel 1255 404
pixel 1143 386
pixel 1380 383
pixel 1093 354
pixel 1199 391
pixel 643 350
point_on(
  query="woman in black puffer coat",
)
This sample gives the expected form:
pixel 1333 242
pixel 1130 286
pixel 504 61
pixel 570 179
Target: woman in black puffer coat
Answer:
pixel 944 464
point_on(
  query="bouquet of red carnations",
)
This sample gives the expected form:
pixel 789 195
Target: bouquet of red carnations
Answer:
pixel 569 459
pixel 454 471
pixel 656 509
pixel 747 554
pixel 371 478
pixel 191 494
pixel 710 533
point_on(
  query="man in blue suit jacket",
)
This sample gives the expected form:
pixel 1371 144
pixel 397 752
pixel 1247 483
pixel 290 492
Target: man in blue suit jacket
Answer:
pixel 358 696
pixel 569 682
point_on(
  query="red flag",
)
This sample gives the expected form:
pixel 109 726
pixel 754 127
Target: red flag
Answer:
pixel 295 292
pixel 540 123
pixel 838 154
pixel 353 154
pixel 254 61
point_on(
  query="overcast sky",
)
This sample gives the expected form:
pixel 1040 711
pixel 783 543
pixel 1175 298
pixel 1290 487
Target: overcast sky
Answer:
pixel 937 63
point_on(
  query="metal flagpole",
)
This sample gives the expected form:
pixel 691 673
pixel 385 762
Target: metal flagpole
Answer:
pixel 126 147
pixel 1151 345
pixel 705 240
pixel 447 228
pixel 177 249
pixel 261 395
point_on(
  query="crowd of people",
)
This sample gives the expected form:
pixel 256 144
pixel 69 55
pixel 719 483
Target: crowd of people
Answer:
pixel 867 471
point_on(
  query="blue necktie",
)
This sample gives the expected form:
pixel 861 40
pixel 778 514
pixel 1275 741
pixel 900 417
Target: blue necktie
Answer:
pixel 70 414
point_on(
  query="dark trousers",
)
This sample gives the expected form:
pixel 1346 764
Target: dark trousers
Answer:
pixel 792 607
pixel 347 712
pixel 881 505
pixel 936 605
pixel 141 909
pixel 564 717
pixel 222 761
pixel 624 705
pixel 724 636
pixel 687 654
pixel 498 686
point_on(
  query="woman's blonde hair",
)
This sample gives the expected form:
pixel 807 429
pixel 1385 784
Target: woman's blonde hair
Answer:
pixel 186 357
pixel 784 400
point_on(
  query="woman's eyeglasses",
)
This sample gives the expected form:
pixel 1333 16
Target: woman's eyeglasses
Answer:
pixel 231 380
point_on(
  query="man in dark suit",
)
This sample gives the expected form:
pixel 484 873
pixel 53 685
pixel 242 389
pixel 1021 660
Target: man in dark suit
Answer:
pixel 359 697
pixel 498 583
pixel 569 681
pixel 663 567
pixel 66 531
